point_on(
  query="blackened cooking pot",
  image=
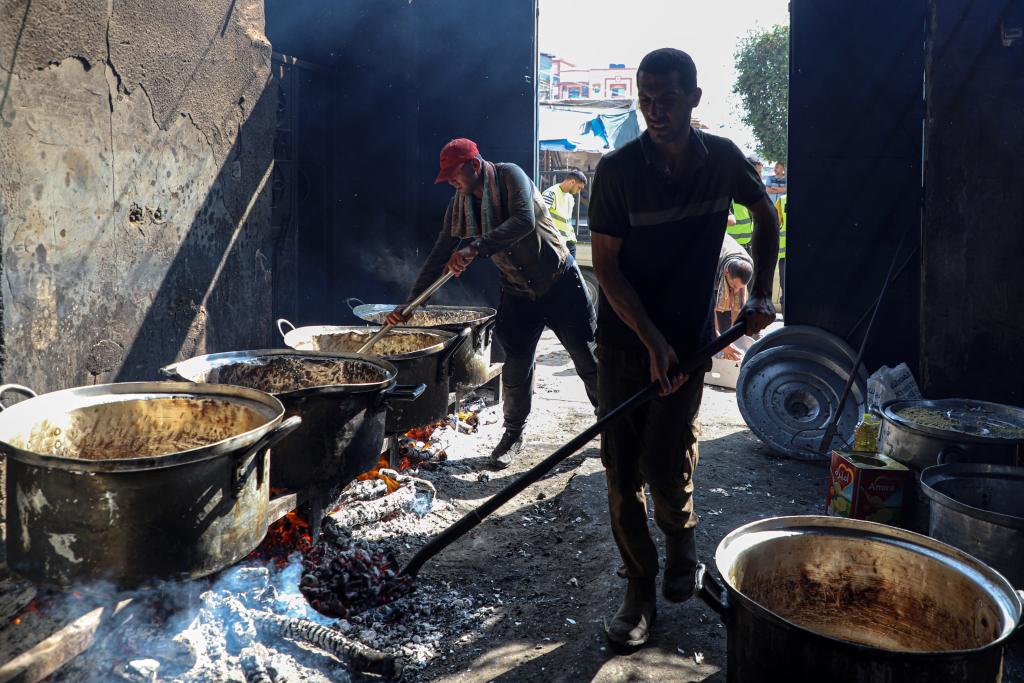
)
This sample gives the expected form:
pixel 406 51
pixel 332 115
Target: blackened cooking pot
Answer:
pixel 421 357
pixel 342 399
pixel 471 365
pixel 846 601
pixel 136 481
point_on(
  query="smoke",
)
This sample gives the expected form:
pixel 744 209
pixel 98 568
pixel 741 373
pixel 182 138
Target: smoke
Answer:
pixel 199 631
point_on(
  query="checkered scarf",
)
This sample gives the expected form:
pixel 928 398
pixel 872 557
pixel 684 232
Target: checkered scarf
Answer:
pixel 463 219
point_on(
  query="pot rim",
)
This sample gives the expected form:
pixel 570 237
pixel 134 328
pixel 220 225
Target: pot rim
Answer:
pixel 1008 599
pixel 938 473
pixel 178 370
pixel 368 311
pixel 888 413
pixel 300 334
pixel 262 402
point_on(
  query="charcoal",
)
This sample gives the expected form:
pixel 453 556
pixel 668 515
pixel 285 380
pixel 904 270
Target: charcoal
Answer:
pixel 342 578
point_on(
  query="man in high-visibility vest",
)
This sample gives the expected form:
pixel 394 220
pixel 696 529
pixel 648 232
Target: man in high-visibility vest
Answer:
pixel 561 201
pixel 780 206
pixel 740 225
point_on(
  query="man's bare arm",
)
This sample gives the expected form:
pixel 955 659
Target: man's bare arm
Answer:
pixel 759 311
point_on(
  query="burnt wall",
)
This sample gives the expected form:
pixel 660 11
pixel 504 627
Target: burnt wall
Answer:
pixel 135 153
pixel 404 78
pixel 972 314
pixel 856 108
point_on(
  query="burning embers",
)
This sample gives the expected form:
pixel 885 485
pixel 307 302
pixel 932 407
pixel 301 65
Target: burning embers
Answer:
pixel 285 536
pixel 342 577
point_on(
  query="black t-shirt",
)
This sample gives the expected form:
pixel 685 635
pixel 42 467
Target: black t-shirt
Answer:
pixel 672 231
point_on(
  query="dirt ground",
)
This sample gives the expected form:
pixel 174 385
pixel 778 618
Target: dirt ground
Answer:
pixel 549 557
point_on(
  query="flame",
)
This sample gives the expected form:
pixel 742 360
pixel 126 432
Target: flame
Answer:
pixel 287 535
pixel 33 606
pixel 375 473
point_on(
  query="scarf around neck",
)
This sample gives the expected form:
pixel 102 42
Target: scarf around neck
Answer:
pixel 464 222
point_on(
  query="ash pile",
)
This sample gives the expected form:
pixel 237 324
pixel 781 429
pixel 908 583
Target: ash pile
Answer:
pixel 334 610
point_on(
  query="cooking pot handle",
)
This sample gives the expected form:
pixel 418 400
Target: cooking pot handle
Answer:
pixel 958 453
pixel 352 302
pixel 712 593
pixel 281 322
pixel 445 367
pixel 487 330
pixel 16 388
pixel 405 392
pixel 269 439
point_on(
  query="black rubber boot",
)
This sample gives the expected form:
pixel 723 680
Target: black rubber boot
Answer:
pixel 631 626
pixel 507 449
pixel 679 583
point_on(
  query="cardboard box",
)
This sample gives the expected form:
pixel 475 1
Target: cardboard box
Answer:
pixel 866 486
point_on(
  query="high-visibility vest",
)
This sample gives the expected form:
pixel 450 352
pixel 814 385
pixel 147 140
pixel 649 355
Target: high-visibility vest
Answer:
pixel 780 206
pixel 560 206
pixel 744 228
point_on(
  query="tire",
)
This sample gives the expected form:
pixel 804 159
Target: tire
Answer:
pixel 591 281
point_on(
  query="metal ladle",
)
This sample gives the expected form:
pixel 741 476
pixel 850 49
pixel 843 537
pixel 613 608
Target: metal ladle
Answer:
pixel 407 310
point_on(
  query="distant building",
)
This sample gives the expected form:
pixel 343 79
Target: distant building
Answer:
pixel 563 80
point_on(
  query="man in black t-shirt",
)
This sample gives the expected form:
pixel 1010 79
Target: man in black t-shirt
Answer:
pixel 658 213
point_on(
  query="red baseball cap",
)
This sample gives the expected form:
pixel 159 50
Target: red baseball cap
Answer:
pixel 455 154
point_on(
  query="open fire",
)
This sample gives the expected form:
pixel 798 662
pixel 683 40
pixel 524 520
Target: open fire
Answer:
pixel 293 609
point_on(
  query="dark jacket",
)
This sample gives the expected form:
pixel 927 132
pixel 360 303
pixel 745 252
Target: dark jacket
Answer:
pixel 526 246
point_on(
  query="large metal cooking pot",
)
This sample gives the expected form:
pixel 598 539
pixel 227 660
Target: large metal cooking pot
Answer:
pixel 846 601
pixel 471 364
pixel 980 509
pixel 420 356
pixel 341 398
pixel 135 481
pixel 969 432
pixel 922 433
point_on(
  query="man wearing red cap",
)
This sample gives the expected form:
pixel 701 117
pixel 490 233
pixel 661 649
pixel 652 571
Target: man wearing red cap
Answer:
pixel 498 213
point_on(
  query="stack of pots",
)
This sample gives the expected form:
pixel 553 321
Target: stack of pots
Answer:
pixel 963 431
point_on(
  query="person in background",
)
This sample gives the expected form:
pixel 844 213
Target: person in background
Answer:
pixel 776 185
pixel 780 206
pixel 740 225
pixel 561 201
pixel 658 210
pixel 735 271
pixel 498 213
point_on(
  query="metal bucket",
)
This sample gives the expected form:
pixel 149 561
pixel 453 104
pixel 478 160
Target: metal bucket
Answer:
pixel 135 481
pixel 979 509
pixel 846 601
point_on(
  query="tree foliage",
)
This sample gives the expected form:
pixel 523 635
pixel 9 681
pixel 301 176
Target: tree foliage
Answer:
pixel 762 65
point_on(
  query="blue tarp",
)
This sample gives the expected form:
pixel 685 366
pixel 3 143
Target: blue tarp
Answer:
pixel 586 129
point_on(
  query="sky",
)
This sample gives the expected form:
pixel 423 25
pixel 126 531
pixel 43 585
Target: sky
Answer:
pixel 600 32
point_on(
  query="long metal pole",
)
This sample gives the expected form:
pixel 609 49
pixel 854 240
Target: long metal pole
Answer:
pixel 474 517
pixel 413 305
pixel 830 433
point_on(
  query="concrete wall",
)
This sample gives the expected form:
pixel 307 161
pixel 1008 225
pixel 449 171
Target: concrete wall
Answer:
pixel 135 148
